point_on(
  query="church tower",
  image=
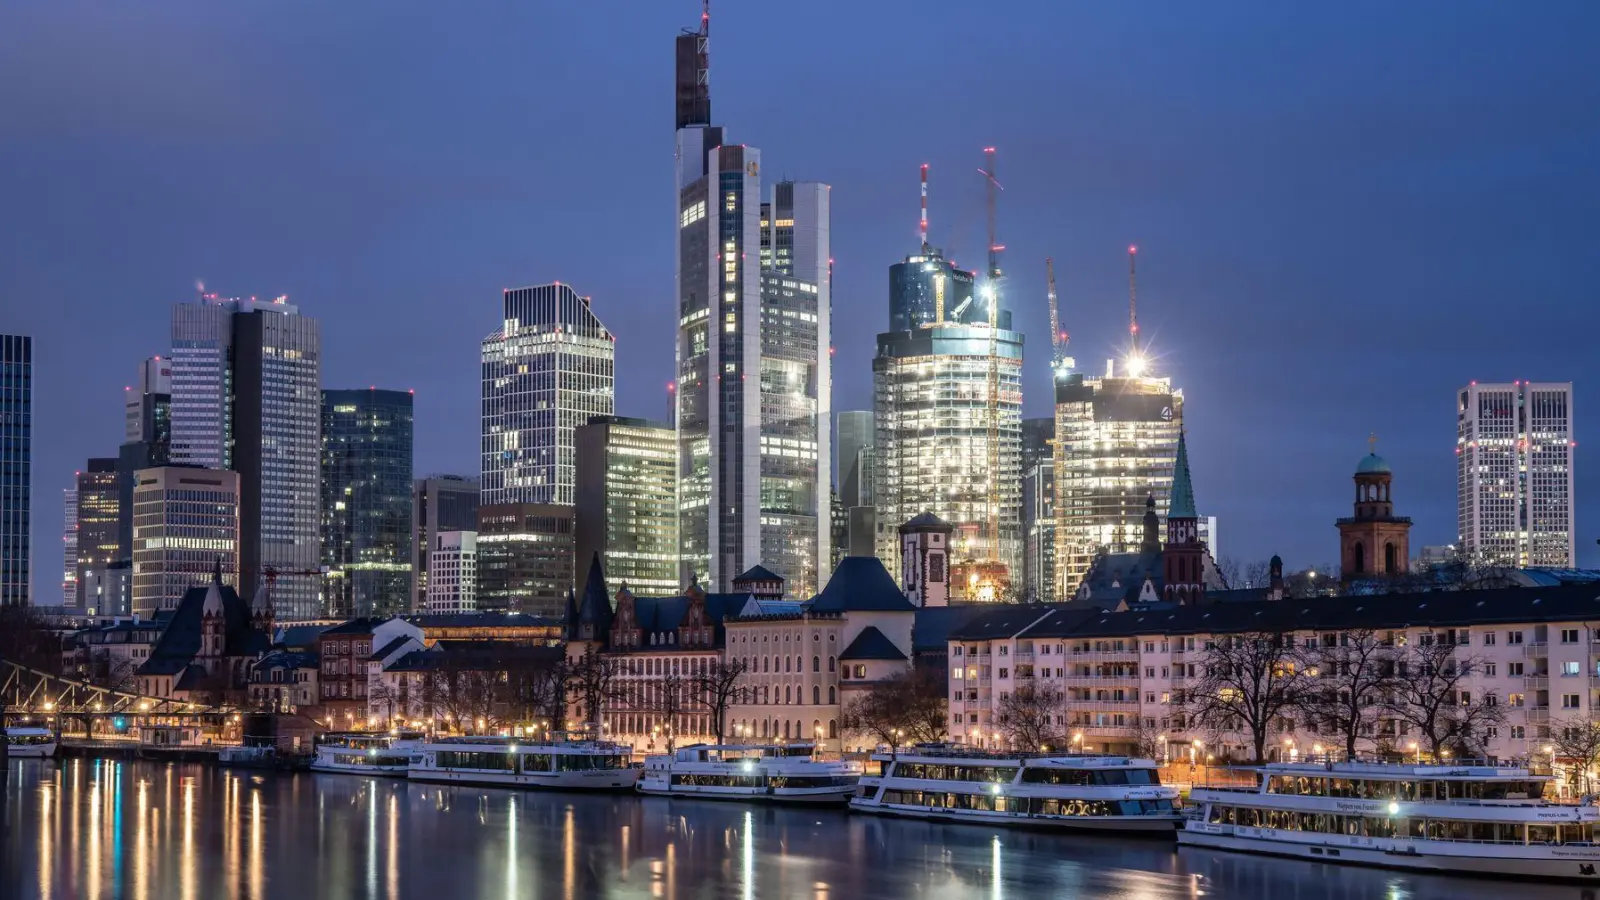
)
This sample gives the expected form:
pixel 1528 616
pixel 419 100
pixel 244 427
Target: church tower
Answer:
pixel 1373 543
pixel 1183 559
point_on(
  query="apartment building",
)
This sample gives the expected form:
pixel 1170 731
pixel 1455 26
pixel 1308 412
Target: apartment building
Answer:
pixel 1533 651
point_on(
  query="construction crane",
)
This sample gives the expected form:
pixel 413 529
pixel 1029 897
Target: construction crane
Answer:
pixel 1057 339
pixel 992 294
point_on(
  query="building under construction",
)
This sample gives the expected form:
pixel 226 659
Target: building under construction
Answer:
pixel 947 396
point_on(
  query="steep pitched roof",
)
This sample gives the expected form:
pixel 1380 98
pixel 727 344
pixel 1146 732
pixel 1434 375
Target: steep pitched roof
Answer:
pixel 872 644
pixel 861 584
pixel 391 647
pixel 1117 577
pixel 999 621
pixel 924 520
pixel 363 625
pixel 933 625
pixel 1182 503
pixel 180 641
pixel 758 573
pixel 595 609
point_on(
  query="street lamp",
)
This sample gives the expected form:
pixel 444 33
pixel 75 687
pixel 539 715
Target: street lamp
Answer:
pixel 1418 751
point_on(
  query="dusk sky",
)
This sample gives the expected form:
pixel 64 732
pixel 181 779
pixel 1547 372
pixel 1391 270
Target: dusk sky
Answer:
pixel 1344 211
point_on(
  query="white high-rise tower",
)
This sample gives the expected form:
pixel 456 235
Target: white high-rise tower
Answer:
pixel 1514 479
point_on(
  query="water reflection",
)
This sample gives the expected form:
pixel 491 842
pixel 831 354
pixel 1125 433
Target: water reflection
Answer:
pixel 92 829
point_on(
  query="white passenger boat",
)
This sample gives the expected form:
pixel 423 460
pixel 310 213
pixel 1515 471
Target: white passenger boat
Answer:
pixel 776 773
pixel 1465 818
pixel 960 784
pixel 31 743
pixel 515 762
pixel 368 753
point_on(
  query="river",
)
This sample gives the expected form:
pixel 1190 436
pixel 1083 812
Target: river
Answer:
pixel 101 830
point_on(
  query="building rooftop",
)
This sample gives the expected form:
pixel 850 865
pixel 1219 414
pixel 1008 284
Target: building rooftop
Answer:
pixel 861 584
pixel 872 644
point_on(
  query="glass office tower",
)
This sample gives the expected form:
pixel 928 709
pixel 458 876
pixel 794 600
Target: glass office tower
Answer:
pixel 366 501
pixel 96 520
pixel 627 510
pixel 16 465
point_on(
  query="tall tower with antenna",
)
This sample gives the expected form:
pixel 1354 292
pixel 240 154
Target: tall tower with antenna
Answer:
pixel 1137 363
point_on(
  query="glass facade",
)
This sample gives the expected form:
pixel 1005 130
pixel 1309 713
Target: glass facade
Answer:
pixel 366 501
pixel 185 523
pixel 627 510
pixel 201 381
pixel 439 503
pixel 549 369
pixel 933 453
pixel 69 543
pixel 927 289
pixel 1039 532
pixel 1116 445
pixel 856 434
pixel 96 519
pixel 1514 471
pixel 794 501
pixel 525 555
pixel 147 440
pixel 16 465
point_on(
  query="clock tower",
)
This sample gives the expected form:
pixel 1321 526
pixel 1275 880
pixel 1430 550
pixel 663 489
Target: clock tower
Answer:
pixel 1183 559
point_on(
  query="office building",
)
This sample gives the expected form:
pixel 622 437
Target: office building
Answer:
pixel 453 573
pixel 246 397
pixel 97 518
pixel 525 557
pixel 940 448
pixel 627 509
pixel 16 466
pixel 1514 474
pixel 1208 535
pixel 366 501
pixel 146 441
pixel 547 370
pixel 185 526
pixel 1039 530
pixel 1117 445
pixel 439 503
pixel 69 544
pixel 108 589
pixel 753 381
pixel 854 464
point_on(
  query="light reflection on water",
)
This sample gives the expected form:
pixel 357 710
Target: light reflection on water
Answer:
pixel 98 829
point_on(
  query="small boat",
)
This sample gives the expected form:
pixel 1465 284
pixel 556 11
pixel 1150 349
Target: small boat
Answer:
pixel 247 757
pixel 367 753
pixel 31 743
pixel 568 765
pixel 1468 818
pixel 955 783
pixel 777 773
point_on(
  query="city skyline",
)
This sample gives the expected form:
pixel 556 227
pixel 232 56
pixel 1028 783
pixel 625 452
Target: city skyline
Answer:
pixel 1273 450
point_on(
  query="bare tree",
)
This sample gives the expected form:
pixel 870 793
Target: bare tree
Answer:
pixel 1247 682
pixel 1146 740
pixel 593 684
pixel 1429 695
pixel 670 698
pixel 384 694
pixel 466 696
pixel 908 707
pixel 1237 575
pixel 719 687
pixel 1348 676
pixel 1027 716
pixel 1577 740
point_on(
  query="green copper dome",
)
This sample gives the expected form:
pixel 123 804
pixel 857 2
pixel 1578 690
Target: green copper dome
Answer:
pixel 1373 464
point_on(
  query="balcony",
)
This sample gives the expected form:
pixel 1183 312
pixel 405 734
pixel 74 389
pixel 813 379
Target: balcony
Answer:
pixel 1537 715
pixel 1535 649
pixel 984 681
pixel 1536 682
pixel 1026 655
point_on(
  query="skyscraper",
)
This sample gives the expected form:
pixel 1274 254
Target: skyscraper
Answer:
pixel 69 543
pixel 627 509
pixel 16 465
pixel 245 396
pixel 548 369
pixel 1514 474
pixel 753 379
pixel 856 434
pixel 185 525
pixel 1116 446
pixel 453 567
pixel 146 441
pixel 97 518
pixel 525 555
pixel 366 501
pixel 439 503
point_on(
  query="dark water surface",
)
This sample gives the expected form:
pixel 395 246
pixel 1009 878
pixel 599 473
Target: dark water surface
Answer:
pixel 87 830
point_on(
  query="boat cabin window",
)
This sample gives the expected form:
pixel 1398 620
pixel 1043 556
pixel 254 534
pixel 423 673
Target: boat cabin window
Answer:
pixel 1033 775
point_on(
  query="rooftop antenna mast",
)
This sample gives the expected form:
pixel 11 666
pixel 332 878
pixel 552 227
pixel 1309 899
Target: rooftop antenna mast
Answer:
pixel 925 247
pixel 1136 360
pixel 1057 339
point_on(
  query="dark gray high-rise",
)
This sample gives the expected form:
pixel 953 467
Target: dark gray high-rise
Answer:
pixel 439 503
pixel 366 502
pixel 16 465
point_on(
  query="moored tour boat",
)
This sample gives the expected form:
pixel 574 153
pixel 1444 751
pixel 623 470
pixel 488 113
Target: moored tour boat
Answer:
pixel 1476 819
pixel 776 773
pixel 1078 792
pixel 31 743
pixel 515 762
pixel 368 753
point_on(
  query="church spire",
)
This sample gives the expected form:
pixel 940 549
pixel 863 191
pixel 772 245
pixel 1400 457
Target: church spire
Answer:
pixel 1182 503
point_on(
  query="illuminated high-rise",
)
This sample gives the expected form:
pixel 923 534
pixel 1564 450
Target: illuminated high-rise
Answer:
pixel 1116 446
pixel 933 450
pixel 96 520
pixel 246 379
pixel 753 379
pixel 16 465
pixel 185 527
pixel 1514 474
pixel 548 369
pixel 366 501
pixel 627 509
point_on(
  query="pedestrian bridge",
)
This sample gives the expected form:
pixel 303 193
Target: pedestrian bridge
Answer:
pixel 27 692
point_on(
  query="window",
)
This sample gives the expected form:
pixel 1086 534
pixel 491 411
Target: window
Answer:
pixel 1513 637
pixel 1489 669
pixel 1569 701
pixel 1516 699
pixel 816 664
pixel 1569 635
pixel 861 670
pixel 1005 650
pixel 1005 673
pixel 1569 669
pixel 1517 732
pixel 830 663
pixel 1514 669
pixel 1488 638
